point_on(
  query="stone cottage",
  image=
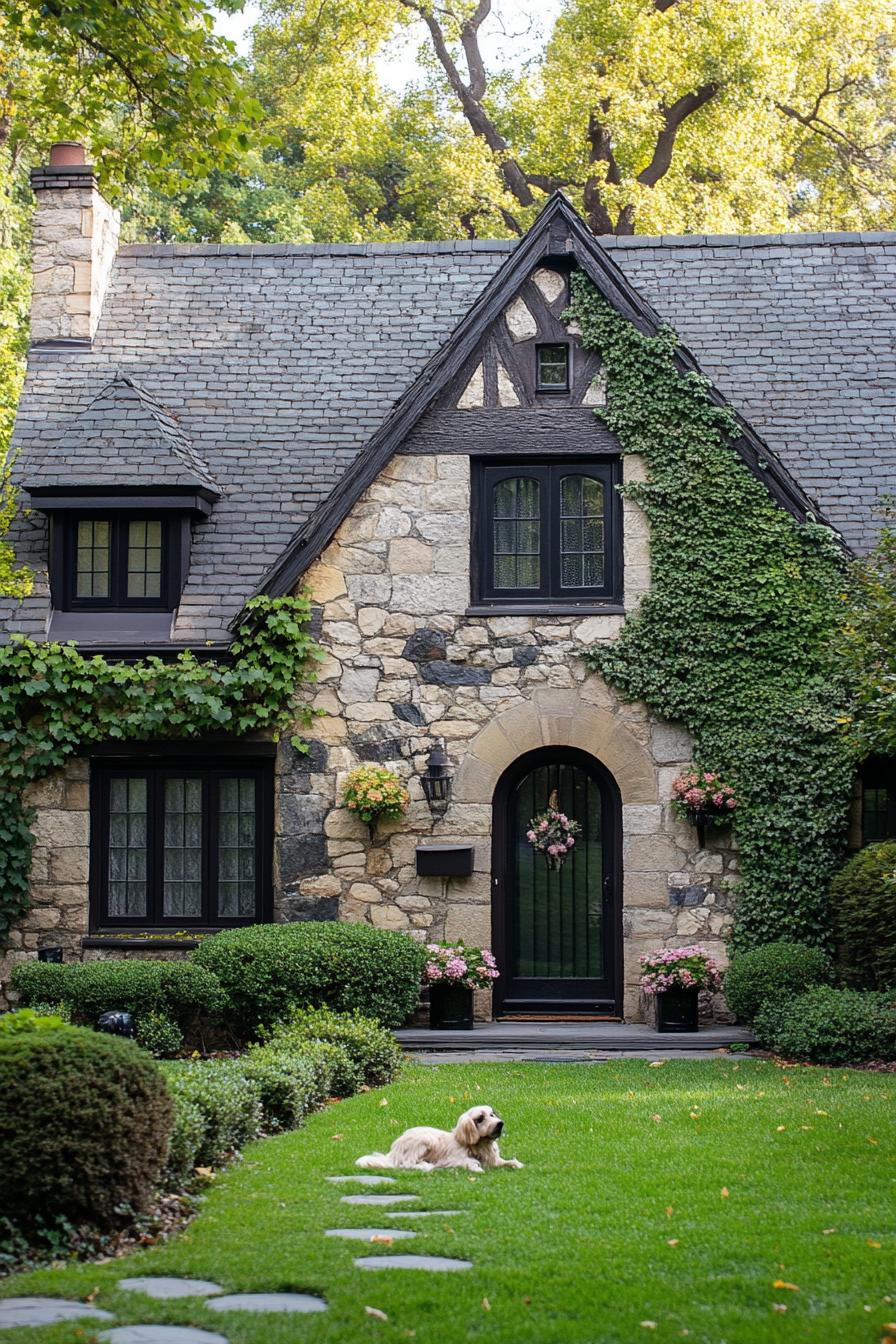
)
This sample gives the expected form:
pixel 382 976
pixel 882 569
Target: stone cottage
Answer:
pixel 412 434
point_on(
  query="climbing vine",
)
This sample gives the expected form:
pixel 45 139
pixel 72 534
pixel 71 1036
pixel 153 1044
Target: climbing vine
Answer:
pixel 55 702
pixel 736 639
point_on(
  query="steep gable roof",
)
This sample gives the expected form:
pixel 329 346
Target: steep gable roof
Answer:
pixel 126 439
pixel 558 231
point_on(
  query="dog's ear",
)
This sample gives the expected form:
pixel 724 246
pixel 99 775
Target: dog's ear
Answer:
pixel 465 1131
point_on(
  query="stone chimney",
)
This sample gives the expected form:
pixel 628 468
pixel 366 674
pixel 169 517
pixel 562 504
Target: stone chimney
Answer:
pixel 74 244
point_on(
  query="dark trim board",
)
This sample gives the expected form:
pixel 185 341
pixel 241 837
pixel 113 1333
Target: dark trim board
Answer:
pixel 558 232
pixel 565 430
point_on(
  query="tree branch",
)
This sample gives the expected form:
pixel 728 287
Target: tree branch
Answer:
pixel 673 116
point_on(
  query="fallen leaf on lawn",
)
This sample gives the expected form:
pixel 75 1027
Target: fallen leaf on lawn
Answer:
pixel 875 1245
pixel 673 1241
pixel 337 1137
pixel 384 1101
pixel 888 1339
pixel 669 1210
pixel 871 1140
pixel 828 1231
pixel 92 1295
pixel 890 1325
pixel 486 1305
pixel 527 1301
pixel 656 1119
pixel 648 1325
pixel 376 1313
pixel 695 1115
pixel 207 1172
pixel 781 1128
pixel 724 1192
pixel 778 1306
pixel 782 1283
pixel 409 1334
pixel 383 1240
pixel 657 1063
pixel 821 1112
pixel 451 1099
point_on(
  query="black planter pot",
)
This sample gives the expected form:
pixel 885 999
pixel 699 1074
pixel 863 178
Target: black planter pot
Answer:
pixel 676 1010
pixel 450 1008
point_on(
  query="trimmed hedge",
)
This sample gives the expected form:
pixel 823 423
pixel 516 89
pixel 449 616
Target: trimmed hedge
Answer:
pixel 774 972
pixel 373 1049
pixel 830 1026
pixel 180 991
pixel 229 1104
pixel 269 969
pixel 84 1126
pixel 863 906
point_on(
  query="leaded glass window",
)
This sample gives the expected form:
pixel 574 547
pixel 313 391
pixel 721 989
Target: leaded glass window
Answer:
pixel 552 369
pixel 517 533
pixel 581 532
pixel 117 562
pixel 145 558
pixel 92 558
pixel 181 844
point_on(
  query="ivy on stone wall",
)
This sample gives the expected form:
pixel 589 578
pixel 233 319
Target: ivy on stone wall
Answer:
pixel 55 702
pixel 736 638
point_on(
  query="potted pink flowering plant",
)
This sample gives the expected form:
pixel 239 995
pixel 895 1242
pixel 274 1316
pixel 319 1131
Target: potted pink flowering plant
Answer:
pixel 674 976
pixel 552 833
pixel 452 972
pixel 704 799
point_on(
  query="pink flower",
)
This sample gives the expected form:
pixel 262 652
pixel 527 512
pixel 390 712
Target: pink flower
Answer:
pixel 553 849
pixel 570 841
pixel 543 826
pixel 530 836
pixel 718 799
pixel 730 803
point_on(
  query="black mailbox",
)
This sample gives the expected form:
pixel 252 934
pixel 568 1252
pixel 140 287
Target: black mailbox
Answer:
pixel 444 860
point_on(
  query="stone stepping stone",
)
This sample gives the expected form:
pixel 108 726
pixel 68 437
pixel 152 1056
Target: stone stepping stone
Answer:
pixel 423 1213
pixel 164 1287
pixel 368 1233
pixel 362 1180
pixel 287 1302
pixel 46 1311
pixel 380 1199
pixel 433 1263
pixel 160 1334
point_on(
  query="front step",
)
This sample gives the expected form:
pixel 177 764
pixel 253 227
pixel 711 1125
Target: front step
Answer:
pixel 586 1039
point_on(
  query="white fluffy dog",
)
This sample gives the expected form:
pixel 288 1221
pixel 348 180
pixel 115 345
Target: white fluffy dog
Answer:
pixel 473 1144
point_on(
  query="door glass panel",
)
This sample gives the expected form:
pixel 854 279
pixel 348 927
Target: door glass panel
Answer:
pixel 556 919
pixel 516 522
pixel 127 847
pixel 92 558
pixel 182 856
pixel 236 847
pixel 581 532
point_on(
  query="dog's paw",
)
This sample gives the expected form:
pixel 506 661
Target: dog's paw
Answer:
pixel 513 1162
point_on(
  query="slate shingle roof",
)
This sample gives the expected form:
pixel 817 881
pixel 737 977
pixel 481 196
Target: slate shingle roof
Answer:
pixel 280 362
pixel 123 438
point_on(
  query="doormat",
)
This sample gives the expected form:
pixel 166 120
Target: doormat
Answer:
pixel 553 1017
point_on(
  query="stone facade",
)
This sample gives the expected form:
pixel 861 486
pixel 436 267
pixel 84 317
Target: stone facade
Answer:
pixel 405 666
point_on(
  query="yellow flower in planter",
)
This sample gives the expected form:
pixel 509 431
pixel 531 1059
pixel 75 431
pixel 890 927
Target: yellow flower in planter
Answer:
pixel 372 793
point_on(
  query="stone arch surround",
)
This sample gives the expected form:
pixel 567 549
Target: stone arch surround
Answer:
pixel 557 719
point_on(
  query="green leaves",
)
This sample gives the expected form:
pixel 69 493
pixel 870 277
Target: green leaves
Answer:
pixel 737 637
pixel 54 703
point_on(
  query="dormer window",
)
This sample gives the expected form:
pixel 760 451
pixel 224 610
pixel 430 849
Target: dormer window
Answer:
pixel 118 561
pixel 552 368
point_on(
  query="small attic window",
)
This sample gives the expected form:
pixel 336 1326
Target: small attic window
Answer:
pixel 552 368
pixel 115 562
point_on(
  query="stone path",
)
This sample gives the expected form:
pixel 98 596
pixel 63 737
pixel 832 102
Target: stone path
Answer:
pixel 300 1302
pixel 16 1311
pixel 163 1287
pixel 380 1199
pixel 362 1180
pixel 435 1263
pixel 369 1233
pixel 160 1334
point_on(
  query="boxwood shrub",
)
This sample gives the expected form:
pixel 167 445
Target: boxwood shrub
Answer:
pixel 371 1047
pixel 830 1026
pixel 84 1126
pixel 863 906
pixel 229 1103
pixel 774 972
pixel 180 991
pixel 285 1081
pixel 268 969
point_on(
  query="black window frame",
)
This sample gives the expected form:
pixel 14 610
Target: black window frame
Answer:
pixel 487 472
pixel 156 772
pixel 63 564
pixel 878 774
pixel 549 389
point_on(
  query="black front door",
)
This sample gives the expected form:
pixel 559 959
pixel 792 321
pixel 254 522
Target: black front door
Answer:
pixel 556 931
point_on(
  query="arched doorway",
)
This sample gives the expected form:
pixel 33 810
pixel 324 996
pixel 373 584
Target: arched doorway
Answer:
pixel 557 933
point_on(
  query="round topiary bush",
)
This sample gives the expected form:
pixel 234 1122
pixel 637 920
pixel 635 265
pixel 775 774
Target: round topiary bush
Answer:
pixel 268 969
pixel 776 971
pixel 863 906
pixel 374 1049
pixel 830 1026
pixel 84 1126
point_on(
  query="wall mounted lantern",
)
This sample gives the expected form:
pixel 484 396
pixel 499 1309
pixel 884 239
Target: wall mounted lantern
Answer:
pixel 437 779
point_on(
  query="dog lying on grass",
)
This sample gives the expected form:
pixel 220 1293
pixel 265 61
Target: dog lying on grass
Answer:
pixel 472 1144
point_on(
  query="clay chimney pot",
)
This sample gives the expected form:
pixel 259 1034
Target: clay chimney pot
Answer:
pixel 67 154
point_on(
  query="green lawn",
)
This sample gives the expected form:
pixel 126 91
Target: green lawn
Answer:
pixel 676 1195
